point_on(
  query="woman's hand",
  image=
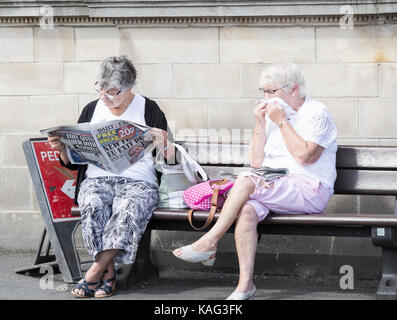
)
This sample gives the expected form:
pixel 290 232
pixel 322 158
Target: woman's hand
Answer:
pixel 56 143
pixel 260 112
pixel 275 112
pixel 159 137
pixel 166 147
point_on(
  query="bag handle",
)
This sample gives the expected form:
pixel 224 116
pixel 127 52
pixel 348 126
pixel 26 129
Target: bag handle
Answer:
pixel 218 182
pixel 186 158
pixel 211 215
pixel 214 207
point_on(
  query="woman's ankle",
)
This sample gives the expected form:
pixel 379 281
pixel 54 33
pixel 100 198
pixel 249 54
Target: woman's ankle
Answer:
pixel 245 285
pixel 206 244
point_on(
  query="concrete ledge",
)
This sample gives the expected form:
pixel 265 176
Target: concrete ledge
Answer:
pixel 193 8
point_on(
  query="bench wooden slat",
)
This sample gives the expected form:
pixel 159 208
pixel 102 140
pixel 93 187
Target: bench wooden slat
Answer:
pixel 369 157
pixel 370 182
pixel 292 219
pixel 373 182
pixel 358 157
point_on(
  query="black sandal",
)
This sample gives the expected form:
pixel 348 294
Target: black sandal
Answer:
pixel 88 293
pixel 109 290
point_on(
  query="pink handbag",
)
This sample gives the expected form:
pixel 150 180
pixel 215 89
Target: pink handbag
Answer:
pixel 208 195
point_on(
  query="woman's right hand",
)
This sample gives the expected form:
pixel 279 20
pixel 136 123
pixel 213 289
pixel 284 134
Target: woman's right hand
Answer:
pixel 56 143
pixel 260 112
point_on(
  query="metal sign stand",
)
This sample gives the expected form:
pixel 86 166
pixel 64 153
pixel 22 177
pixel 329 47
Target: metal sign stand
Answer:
pixel 59 226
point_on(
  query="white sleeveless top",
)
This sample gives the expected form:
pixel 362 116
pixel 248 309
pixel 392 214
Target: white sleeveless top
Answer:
pixel 314 123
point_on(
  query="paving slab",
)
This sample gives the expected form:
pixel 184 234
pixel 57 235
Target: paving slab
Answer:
pixel 177 285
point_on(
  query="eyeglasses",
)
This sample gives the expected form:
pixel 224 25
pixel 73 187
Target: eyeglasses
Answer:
pixel 107 94
pixel 271 91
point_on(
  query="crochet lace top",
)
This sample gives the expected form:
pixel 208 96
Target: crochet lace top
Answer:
pixel 312 122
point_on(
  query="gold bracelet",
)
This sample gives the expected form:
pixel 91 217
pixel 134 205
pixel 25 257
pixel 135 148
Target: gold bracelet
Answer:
pixel 280 124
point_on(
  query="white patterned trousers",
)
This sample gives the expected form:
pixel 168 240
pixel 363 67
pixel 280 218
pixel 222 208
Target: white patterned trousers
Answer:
pixel 115 212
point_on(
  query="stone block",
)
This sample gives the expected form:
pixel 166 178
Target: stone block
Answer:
pixel 48 111
pixel 387 80
pixel 377 118
pixel 14 113
pixel 235 117
pixel 16 45
pixel 377 204
pixel 345 114
pixel 81 76
pixel 170 45
pixel 187 117
pixel 361 44
pixel 388 142
pixel 11 149
pixel 206 81
pixel 20 231
pixel 96 43
pixel 250 74
pixel 342 203
pixel 154 80
pixel 15 189
pixel 262 45
pixel 341 80
pixel 53 45
pixel 85 99
pixel 357 141
pixel 31 78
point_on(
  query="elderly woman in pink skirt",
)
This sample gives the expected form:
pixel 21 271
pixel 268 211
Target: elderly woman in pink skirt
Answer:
pixel 291 131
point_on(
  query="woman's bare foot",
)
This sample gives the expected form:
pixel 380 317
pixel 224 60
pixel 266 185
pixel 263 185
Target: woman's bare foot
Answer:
pixel 90 277
pixel 201 245
pixel 108 274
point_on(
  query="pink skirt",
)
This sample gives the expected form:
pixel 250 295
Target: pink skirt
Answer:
pixel 291 194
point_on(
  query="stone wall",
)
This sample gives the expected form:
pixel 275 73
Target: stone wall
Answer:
pixel 204 74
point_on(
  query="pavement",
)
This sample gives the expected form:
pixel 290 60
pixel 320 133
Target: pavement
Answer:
pixel 177 285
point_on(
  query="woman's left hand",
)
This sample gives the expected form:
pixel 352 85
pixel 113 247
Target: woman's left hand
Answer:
pixel 275 112
pixel 159 137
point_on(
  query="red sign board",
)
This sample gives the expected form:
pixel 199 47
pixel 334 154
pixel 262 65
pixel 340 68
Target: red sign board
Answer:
pixel 59 182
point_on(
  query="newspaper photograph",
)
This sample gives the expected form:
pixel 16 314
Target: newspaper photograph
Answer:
pixel 113 145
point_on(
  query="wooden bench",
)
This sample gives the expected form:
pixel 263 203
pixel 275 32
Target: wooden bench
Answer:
pixel 362 170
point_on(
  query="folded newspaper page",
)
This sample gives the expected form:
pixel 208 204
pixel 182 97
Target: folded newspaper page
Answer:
pixel 265 172
pixel 113 145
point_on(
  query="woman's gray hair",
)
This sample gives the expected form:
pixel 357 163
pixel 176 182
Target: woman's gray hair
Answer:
pixel 117 72
pixel 283 75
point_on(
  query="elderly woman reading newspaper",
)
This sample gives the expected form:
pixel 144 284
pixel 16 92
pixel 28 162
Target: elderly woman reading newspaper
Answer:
pixel 115 208
pixel 291 131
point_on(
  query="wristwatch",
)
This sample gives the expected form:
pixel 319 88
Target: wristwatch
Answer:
pixel 280 124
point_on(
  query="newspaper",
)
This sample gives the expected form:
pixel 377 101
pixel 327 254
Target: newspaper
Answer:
pixel 112 145
pixel 265 172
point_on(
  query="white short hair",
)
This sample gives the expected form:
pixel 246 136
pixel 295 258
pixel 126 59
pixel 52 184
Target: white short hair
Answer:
pixel 283 75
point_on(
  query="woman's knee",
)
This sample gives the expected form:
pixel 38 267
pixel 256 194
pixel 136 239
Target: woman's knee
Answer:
pixel 243 182
pixel 248 215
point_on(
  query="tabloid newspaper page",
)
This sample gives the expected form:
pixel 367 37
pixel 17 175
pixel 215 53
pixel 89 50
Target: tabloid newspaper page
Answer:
pixel 113 145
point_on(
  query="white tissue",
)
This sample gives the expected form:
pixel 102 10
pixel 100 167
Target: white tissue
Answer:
pixel 288 110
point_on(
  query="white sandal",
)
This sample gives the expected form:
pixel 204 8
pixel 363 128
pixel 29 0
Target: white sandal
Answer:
pixel 242 295
pixel 207 258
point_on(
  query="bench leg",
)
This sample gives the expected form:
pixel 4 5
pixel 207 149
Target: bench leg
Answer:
pixel 141 269
pixel 387 289
pixel 387 239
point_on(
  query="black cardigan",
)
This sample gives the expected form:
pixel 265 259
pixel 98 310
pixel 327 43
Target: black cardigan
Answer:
pixel 154 118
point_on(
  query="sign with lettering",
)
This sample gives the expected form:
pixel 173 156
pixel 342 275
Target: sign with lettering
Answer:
pixel 59 182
